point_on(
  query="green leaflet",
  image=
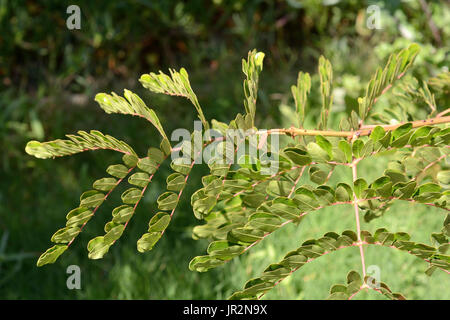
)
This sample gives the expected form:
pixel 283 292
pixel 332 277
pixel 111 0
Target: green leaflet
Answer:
pixel 285 208
pixel 345 147
pixel 78 216
pixel 180 166
pixel 317 176
pixel 122 214
pixel 176 182
pixel 91 199
pixel 224 250
pixel 148 165
pixel 140 179
pixel 357 147
pixel 246 235
pixel 325 145
pixel 263 221
pixel 118 170
pixel 317 153
pixel 65 235
pixel 401 135
pixel 167 201
pixel 444 177
pixel 359 186
pixel 159 222
pixel 131 196
pixel 279 188
pixel 104 184
pixel 97 248
pixel 202 203
pixel 115 233
pixel 204 263
pixel 156 155
pixel 377 133
pixel 297 156
pixel 147 241
pixel 51 255
pixel 343 192
pixel 130 160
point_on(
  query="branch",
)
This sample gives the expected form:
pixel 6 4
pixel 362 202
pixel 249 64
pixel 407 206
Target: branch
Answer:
pixel 365 131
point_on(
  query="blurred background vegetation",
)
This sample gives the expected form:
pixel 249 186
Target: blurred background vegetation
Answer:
pixel 49 76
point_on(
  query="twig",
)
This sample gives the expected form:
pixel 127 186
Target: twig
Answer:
pixel 365 131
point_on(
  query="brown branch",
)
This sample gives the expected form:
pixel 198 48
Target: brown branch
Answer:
pixel 365 131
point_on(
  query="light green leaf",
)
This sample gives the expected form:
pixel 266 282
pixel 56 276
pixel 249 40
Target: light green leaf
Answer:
pixel 91 199
pixel 51 255
pixel 167 201
pixel 118 171
pixel 140 179
pixel 159 222
pixel 122 214
pixel 176 182
pixel 148 241
pixel 131 196
pixel 105 184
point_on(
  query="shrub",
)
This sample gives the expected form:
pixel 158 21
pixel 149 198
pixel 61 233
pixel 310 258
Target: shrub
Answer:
pixel 243 200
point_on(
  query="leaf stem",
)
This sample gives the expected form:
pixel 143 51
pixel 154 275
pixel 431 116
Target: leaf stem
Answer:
pixel 365 131
pixel 358 225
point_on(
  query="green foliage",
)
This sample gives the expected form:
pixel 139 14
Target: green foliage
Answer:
pixel 133 105
pixel 78 143
pixel 326 80
pixel 241 206
pixel 310 250
pixel 177 84
pixel 300 93
pixel 252 67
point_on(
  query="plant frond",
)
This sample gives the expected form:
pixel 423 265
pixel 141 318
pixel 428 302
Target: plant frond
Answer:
pixel 84 141
pixel 176 84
